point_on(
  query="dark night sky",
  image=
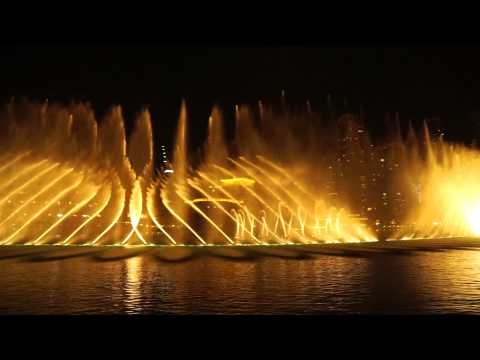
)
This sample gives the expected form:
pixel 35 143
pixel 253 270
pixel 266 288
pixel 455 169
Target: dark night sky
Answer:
pixel 418 81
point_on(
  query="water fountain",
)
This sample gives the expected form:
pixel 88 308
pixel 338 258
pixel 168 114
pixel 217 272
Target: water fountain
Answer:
pixel 65 180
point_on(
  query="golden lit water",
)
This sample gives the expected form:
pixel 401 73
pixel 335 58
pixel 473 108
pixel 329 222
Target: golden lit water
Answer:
pixel 418 282
pixel 254 226
pixel 66 179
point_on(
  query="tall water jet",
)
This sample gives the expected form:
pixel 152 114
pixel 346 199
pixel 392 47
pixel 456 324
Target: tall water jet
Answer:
pixel 140 153
pixel 140 146
pixel 215 153
pixel 112 146
pixel 247 140
pixel 176 189
pixel 180 162
pixel 215 148
pixel 85 132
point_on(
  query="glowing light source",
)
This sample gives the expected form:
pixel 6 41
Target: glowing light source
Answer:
pixel 238 181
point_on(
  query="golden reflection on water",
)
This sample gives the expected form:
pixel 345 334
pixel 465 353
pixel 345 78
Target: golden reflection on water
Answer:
pixel 133 290
pixel 458 285
pixel 416 282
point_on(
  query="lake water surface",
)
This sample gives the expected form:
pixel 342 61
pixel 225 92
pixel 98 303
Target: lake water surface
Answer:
pixel 413 283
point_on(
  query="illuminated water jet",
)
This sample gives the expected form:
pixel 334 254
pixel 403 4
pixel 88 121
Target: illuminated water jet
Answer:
pixel 447 192
pixel 74 182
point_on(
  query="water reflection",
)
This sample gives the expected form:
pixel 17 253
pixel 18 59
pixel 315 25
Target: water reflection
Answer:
pixel 133 293
pixel 424 282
